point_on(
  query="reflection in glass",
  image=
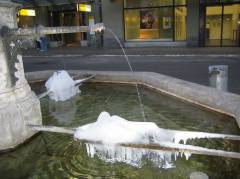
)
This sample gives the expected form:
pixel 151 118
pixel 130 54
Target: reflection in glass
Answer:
pixel 180 23
pixel 213 26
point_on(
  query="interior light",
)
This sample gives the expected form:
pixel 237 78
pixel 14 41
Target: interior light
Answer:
pixel 84 8
pixel 27 12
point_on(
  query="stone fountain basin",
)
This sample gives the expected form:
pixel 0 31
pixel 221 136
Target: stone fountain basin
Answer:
pixel 207 97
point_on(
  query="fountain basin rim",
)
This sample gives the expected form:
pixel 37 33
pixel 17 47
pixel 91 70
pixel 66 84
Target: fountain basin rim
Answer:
pixel 207 97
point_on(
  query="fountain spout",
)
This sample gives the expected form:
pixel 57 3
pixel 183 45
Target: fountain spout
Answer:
pixel 17 101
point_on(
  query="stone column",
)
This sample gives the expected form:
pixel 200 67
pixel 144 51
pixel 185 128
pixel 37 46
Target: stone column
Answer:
pixel 193 23
pixel 19 106
pixel 112 16
pixel 77 23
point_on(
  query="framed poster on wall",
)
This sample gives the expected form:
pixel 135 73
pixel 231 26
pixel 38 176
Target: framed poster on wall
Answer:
pixel 148 19
pixel 167 23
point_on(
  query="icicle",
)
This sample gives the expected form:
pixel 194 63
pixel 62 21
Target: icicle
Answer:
pixel 187 155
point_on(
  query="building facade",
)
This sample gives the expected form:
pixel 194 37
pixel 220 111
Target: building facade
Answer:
pixel 62 13
pixel 173 22
pixel 195 23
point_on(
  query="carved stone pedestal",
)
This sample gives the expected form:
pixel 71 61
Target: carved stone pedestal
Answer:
pixel 19 106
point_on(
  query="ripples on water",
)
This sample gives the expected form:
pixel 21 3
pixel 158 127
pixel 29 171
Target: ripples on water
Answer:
pixel 59 156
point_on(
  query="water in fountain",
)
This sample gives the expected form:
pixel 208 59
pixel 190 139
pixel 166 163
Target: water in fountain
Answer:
pixel 131 69
pixel 116 130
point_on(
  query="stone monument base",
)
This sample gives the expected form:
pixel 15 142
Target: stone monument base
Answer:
pixel 18 108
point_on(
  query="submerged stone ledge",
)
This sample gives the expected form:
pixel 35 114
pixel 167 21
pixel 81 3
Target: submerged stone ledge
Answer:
pixel 219 101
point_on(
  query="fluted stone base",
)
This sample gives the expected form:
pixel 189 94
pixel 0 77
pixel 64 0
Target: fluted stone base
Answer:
pixel 18 108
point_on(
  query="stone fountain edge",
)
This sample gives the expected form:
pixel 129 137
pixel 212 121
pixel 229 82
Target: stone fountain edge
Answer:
pixel 207 97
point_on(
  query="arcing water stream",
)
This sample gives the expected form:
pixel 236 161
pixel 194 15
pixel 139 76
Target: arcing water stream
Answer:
pixel 131 69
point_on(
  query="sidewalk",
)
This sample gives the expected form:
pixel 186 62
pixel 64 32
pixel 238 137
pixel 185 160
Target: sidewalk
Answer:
pixel 190 64
pixel 136 51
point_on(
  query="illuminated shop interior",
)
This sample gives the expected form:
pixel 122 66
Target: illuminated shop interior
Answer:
pixel 160 20
pixel 222 26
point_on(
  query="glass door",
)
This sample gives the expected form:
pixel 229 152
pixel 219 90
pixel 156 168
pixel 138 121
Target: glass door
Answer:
pixel 231 25
pixel 213 26
pixel 222 26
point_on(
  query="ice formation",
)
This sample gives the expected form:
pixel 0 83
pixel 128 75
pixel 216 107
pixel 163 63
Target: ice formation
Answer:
pixel 106 136
pixel 114 130
pixel 61 87
pixel 131 156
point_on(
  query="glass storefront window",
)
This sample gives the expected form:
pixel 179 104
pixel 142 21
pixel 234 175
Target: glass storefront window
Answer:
pixel 210 2
pixel 146 3
pixel 231 25
pixel 149 24
pixel 213 26
pixel 180 2
pixel 132 24
pixel 166 23
pixel 222 26
pixel 163 22
pixel 180 23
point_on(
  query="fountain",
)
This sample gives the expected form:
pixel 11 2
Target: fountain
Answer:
pixel 21 114
pixel 19 106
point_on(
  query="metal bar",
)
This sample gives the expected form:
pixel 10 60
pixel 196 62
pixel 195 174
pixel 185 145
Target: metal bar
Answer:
pixel 42 95
pixel 190 149
pixel 83 80
pixel 186 133
pixel 48 30
pixel 169 146
pixel 62 130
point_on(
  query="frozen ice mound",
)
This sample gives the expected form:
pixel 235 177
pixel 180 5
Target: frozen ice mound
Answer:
pixel 114 130
pixel 61 86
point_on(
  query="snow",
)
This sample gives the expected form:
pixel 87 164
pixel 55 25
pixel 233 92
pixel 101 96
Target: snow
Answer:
pixel 61 86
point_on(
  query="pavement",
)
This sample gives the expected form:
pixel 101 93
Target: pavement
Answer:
pixel 190 64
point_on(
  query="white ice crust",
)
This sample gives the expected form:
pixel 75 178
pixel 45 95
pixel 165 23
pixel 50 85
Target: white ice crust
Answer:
pixel 61 86
pixel 114 130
